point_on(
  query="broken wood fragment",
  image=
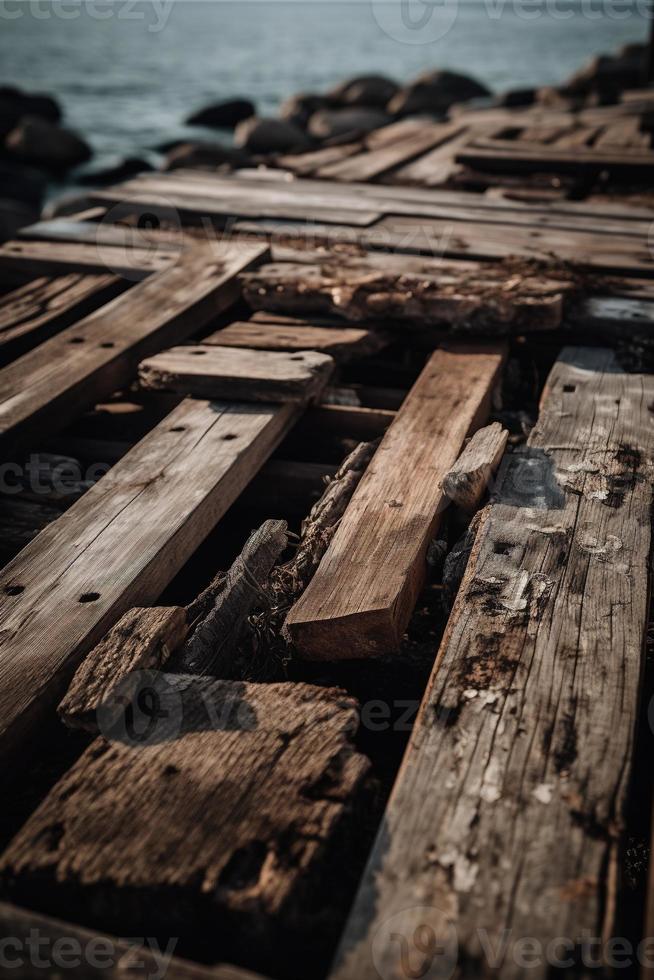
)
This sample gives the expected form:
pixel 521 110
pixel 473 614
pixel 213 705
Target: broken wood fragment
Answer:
pixel 342 342
pixel 142 639
pixel 209 371
pixel 466 483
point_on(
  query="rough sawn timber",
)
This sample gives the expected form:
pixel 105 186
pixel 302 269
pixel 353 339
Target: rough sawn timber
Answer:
pixel 226 812
pixel 209 371
pixel 118 547
pixel 522 751
pixel 362 596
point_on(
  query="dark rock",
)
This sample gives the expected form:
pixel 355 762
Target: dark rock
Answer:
pixel 204 156
pixel 223 115
pixel 328 123
pixel 365 90
pixel 22 184
pixel 15 215
pixel 110 175
pixel 299 108
pixel 517 97
pixel 608 75
pixel 70 202
pixel 15 104
pixel 263 135
pixel 46 145
pixel 434 92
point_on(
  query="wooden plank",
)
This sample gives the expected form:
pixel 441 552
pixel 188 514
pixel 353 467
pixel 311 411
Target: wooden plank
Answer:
pixel 503 156
pixel 47 387
pixel 468 480
pixel 363 594
pixel 209 371
pixel 375 162
pixel 522 750
pixel 228 811
pixel 33 937
pixel 342 343
pixel 118 547
pixel 37 258
pixel 36 311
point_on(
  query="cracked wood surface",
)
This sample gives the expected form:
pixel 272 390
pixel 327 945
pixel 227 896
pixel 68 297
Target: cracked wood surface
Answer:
pixel 522 751
pixel 221 818
pixel 341 342
pixel 118 547
pixel 363 593
pixel 46 388
pixel 210 371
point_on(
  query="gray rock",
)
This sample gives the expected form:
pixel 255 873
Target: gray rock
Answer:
pixel 46 145
pixel 434 92
pixel 128 167
pixel 223 115
pixel 20 183
pixel 329 123
pixel 15 215
pixel 14 104
pixel 365 90
pixel 204 156
pixel 263 135
pixel 608 75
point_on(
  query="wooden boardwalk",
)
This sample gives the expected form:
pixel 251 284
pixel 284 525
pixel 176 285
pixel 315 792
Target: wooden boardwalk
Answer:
pixel 307 350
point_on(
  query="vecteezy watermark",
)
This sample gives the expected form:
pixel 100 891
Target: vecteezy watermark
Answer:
pixel 421 943
pixel 154 13
pixel 40 951
pixel 49 476
pixel 427 21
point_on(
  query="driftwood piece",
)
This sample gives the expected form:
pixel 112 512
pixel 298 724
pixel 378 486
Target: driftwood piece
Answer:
pixel 466 483
pixel 143 639
pixel 361 599
pixel 216 637
pixel 209 371
pixel 497 297
pixel 521 755
pixel 226 808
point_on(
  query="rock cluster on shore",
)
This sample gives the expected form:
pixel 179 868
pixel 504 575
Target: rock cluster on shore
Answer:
pixel 35 146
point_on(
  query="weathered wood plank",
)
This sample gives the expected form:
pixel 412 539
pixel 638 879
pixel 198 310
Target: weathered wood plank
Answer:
pixel 375 162
pixel 363 594
pixel 209 371
pixel 342 343
pixel 37 258
pixel 47 387
pixel 67 947
pixel 118 547
pixel 522 750
pixel 227 811
pixel 505 156
pixel 34 312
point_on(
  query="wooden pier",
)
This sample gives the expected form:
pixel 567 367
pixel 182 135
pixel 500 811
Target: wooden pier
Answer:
pixel 326 516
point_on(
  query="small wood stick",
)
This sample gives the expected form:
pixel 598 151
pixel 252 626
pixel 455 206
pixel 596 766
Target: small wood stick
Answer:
pixel 465 484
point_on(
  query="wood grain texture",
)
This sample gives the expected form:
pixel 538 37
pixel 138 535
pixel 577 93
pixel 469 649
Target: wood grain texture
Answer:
pixel 468 480
pixel 363 594
pixel 221 818
pixel 522 751
pixel 142 639
pixel 343 343
pixel 38 258
pixel 47 387
pixel 118 547
pixel 32 313
pixel 209 371
pixel 111 956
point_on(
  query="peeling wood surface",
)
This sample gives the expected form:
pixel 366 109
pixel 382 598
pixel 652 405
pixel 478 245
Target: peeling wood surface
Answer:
pixel 210 371
pixel 522 751
pixel 225 812
pixel 49 386
pixel 468 480
pixel 362 596
pixel 118 547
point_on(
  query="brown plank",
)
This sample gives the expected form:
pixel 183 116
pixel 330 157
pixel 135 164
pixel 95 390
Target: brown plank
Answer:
pixel 505 156
pixel 361 598
pixel 342 343
pixel 375 162
pixel 209 371
pixel 39 258
pixel 36 311
pixel 228 812
pixel 65 947
pixel 522 751
pixel 118 547
pixel 44 390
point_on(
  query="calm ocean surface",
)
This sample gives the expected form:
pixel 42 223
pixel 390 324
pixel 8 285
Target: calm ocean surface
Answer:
pixel 127 74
